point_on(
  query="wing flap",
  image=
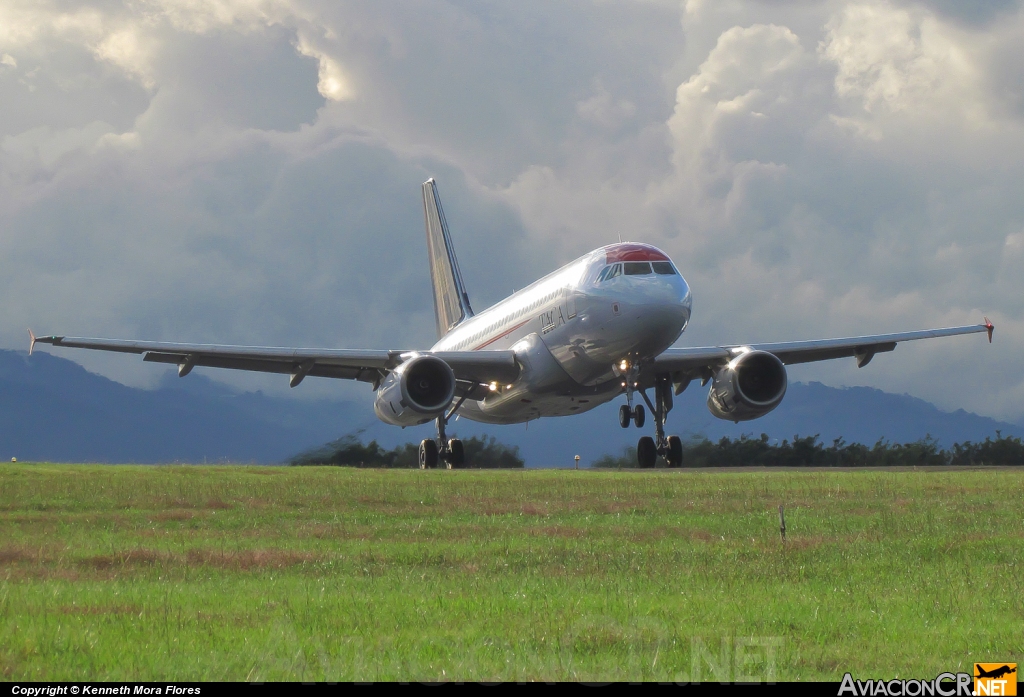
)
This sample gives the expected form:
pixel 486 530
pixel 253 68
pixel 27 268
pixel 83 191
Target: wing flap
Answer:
pixel 346 364
pixel 696 361
pixel 346 357
pixel 861 352
pixel 322 370
pixel 826 349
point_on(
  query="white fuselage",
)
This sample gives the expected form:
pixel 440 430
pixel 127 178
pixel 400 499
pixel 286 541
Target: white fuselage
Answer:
pixel 572 328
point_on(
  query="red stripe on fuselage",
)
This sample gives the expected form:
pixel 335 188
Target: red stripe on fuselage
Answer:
pixel 633 252
pixel 500 336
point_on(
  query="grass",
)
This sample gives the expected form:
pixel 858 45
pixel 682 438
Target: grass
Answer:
pixel 263 573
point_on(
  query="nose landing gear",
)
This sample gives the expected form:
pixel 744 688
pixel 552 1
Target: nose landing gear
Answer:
pixel 627 412
pixel 635 415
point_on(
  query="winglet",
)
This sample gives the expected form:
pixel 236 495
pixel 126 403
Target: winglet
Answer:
pixel 31 342
pixel 990 327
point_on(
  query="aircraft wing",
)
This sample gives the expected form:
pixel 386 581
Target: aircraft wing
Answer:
pixel 696 362
pixel 479 367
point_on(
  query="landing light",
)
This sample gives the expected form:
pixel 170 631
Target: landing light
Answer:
pixel 493 386
pixel 624 365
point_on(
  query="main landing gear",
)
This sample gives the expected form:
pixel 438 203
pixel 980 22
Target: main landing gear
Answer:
pixel 648 449
pixel 444 451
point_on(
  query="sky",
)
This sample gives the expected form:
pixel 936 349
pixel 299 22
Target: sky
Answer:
pixel 248 171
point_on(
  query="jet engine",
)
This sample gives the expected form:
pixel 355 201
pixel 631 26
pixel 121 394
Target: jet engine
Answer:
pixel 748 387
pixel 417 391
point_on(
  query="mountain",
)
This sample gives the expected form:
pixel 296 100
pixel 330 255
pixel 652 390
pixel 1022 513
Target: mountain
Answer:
pixel 53 409
pixel 856 414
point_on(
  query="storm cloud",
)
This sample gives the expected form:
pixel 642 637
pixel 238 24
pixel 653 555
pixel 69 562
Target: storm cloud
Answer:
pixel 247 171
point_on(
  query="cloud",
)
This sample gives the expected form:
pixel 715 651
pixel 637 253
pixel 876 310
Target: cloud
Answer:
pixel 332 83
pixel 855 179
pixel 603 110
pixel 45 147
pixel 891 60
pixel 247 171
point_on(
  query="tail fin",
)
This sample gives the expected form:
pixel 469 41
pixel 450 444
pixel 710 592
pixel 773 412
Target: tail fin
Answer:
pixel 451 303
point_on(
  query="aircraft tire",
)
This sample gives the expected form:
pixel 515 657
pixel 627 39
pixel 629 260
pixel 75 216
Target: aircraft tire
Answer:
pixel 624 416
pixel 428 454
pixel 674 456
pixel 456 453
pixel 639 415
pixel 646 452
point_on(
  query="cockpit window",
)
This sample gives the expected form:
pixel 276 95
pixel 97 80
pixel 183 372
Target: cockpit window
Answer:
pixel 637 268
pixel 663 267
pixel 610 272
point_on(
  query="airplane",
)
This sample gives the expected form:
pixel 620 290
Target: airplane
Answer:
pixel 996 672
pixel 598 328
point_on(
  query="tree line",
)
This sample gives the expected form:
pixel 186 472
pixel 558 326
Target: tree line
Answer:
pixel 809 451
pixel 481 452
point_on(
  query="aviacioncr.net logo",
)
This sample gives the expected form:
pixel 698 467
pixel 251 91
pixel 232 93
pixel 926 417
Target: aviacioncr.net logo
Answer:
pixel 944 685
pixel 995 679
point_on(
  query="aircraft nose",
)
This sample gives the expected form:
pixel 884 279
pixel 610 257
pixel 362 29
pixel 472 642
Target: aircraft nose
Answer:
pixel 659 322
pixel 671 316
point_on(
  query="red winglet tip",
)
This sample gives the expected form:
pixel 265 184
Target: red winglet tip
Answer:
pixel 990 327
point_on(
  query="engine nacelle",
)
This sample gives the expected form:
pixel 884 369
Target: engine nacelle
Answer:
pixel 417 391
pixel 748 387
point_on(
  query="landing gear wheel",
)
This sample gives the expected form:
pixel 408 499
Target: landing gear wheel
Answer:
pixel 624 416
pixel 674 454
pixel 456 453
pixel 646 452
pixel 639 416
pixel 428 455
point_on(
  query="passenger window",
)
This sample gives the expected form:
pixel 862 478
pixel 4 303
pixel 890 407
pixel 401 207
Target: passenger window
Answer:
pixel 637 268
pixel 663 267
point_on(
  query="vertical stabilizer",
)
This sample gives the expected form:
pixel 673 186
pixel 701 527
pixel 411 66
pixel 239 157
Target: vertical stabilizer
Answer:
pixel 451 303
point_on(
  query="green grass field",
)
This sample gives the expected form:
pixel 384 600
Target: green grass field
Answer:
pixel 263 573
